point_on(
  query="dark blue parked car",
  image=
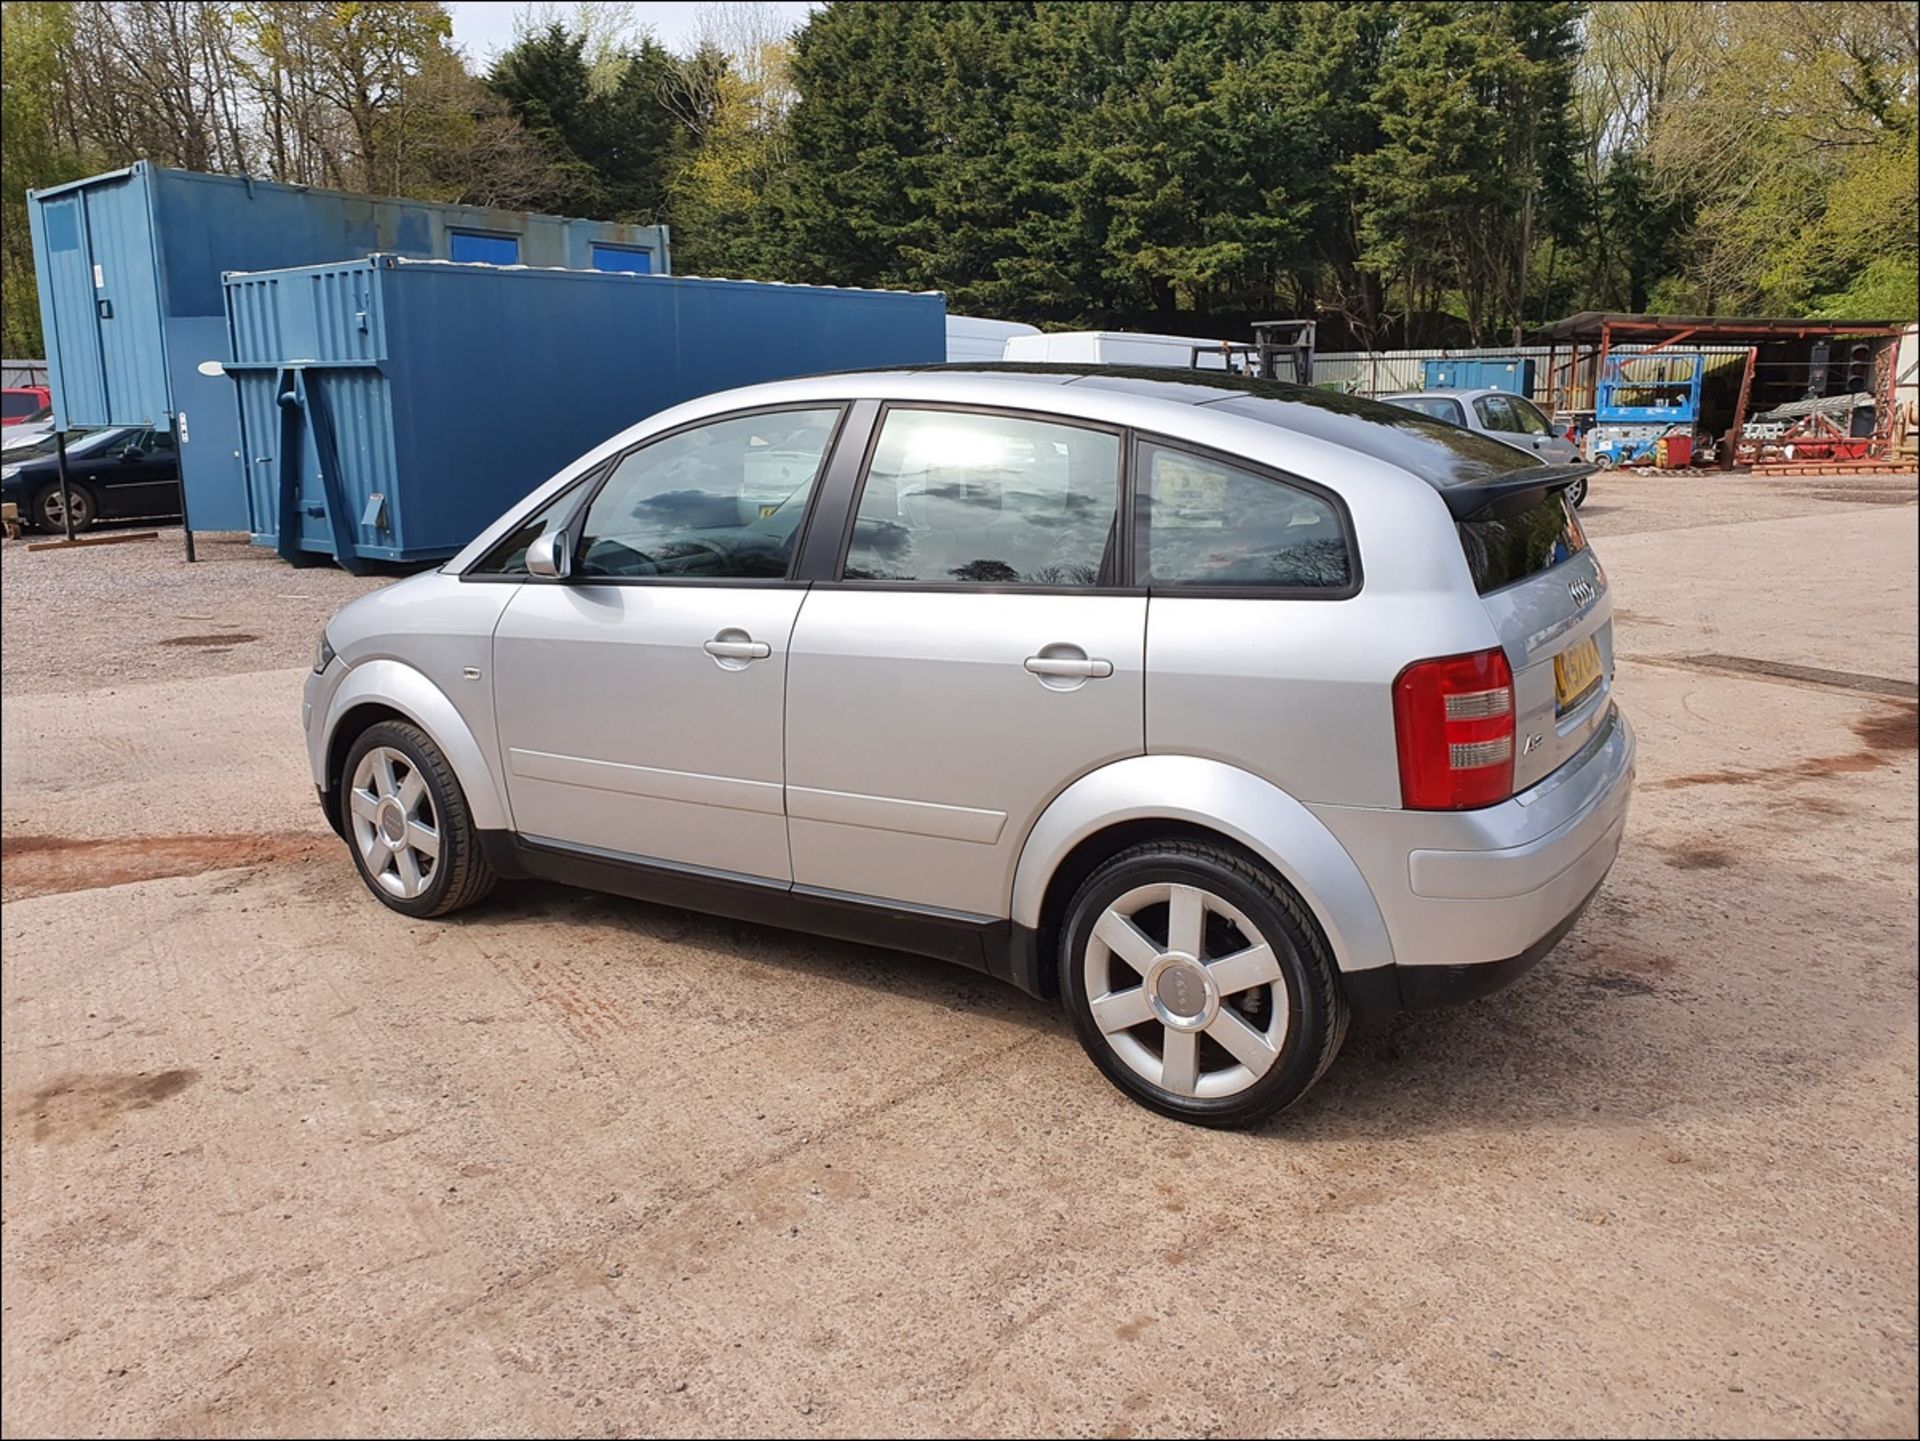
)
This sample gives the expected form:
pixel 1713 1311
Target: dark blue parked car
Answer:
pixel 125 472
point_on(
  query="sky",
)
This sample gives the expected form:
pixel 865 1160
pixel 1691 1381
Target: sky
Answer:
pixel 485 27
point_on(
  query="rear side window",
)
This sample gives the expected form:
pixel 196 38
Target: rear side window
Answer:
pixel 1437 407
pixel 958 499
pixel 20 404
pixel 1513 548
pixel 1207 523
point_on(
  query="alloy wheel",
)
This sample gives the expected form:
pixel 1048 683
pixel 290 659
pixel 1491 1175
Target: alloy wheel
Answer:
pixel 393 822
pixel 1186 990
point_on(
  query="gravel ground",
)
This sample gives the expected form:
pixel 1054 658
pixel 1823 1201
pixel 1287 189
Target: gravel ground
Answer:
pixel 122 614
pixel 280 1162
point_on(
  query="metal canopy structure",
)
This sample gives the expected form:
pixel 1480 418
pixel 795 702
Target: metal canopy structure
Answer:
pixel 1589 335
pixel 1602 325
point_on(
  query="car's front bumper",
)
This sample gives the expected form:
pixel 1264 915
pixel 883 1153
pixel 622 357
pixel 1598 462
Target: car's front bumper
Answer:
pixel 1475 898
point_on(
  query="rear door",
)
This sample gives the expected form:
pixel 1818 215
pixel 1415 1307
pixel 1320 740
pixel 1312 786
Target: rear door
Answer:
pixel 1547 597
pixel 970 656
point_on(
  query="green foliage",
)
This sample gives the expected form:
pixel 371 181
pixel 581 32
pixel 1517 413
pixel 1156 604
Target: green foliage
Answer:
pixel 33 154
pixel 1407 171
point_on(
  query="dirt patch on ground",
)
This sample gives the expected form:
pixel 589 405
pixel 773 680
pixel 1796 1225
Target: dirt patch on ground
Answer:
pixel 1854 496
pixel 1698 858
pixel 1887 731
pixel 1891 730
pixel 73 1106
pixel 53 865
pixel 237 638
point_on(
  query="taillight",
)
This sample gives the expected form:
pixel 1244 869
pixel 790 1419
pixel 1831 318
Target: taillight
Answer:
pixel 1453 719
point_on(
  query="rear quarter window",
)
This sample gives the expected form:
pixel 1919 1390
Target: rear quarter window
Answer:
pixel 1514 548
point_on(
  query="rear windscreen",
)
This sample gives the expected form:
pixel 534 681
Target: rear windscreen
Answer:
pixel 1501 552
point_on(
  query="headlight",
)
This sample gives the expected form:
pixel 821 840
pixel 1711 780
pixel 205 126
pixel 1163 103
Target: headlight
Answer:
pixel 8 472
pixel 323 654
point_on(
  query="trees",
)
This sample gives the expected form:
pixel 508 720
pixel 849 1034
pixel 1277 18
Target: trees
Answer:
pixel 1405 170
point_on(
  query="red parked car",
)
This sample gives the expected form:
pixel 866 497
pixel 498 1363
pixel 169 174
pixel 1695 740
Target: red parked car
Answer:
pixel 21 403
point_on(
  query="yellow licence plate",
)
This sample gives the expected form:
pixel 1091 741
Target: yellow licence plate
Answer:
pixel 1576 671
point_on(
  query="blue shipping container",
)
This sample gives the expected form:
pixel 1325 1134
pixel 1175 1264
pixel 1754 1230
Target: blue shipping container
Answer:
pixel 392 408
pixel 1514 376
pixel 129 270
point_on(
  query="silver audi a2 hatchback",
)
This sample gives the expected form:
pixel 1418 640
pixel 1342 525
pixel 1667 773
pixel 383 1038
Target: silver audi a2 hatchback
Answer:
pixel 1222 710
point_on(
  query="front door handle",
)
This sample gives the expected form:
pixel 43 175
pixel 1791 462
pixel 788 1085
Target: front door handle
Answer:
pixel 731 649
pixel 1078 668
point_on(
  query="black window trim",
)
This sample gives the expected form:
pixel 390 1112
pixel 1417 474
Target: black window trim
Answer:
pixel 594 480
pixel 581 486
pixel 1121 552
pixel 1191 590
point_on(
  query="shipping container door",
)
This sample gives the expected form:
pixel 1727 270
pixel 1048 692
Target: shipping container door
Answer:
pixel 73 349
pixel 277 444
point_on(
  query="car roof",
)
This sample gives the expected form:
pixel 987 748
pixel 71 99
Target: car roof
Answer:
pixel 1319 435
pixel 1443 455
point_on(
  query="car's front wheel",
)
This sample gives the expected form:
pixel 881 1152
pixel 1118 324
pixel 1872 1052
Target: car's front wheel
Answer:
pixel 407 823
pixel 50 516
pixel 1199 983
pixel 1577 492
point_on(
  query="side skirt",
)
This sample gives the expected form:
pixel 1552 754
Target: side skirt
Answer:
pixel 980 943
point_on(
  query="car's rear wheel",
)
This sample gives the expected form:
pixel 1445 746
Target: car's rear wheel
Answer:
pixel 49 515
pixel 1577 492
pixel 1199 983
pixel 407 823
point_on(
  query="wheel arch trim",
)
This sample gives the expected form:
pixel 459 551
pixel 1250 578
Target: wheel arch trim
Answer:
pixel 1233 803
pixel 400 687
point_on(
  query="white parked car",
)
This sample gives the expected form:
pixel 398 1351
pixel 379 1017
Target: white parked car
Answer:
pixel 1224 711
pixel 1511 418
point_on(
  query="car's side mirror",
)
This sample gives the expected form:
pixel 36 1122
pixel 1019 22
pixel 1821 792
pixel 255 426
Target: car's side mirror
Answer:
pixel 550 556
pixel 133 452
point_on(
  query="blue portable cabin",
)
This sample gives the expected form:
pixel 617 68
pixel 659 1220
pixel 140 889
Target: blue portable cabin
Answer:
pixel 1513 375
pixel 129 268
pixel 391 408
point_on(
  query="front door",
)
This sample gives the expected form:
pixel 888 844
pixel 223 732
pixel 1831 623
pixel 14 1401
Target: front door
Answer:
pixel 640 702
pixel 139 477
pixel 975 657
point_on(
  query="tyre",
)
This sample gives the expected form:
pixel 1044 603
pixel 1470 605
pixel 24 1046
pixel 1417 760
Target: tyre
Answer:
pixel 47 513
pixel 1200 984
pixel 407 823
pixel 1577 492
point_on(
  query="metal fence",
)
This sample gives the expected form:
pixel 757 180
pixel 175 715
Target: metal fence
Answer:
pixel 23 372
pixel 1569 386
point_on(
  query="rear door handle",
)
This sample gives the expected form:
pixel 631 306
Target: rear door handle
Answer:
pixel 1068 666
pixel 738 649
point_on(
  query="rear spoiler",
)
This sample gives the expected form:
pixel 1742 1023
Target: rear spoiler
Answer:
pixel 1511 494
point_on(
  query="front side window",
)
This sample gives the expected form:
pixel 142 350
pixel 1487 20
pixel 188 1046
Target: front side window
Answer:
pixel 722 501
pixel 1207 523
pixel 958 499
pixel 1496 413
pixel 1529 420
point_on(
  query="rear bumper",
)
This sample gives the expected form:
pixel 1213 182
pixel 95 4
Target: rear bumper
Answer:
pixel 1475 899
pixel 1380 994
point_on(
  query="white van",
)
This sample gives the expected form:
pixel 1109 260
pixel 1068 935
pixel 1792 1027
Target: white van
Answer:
pixel 1113 347
pixel 970 338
